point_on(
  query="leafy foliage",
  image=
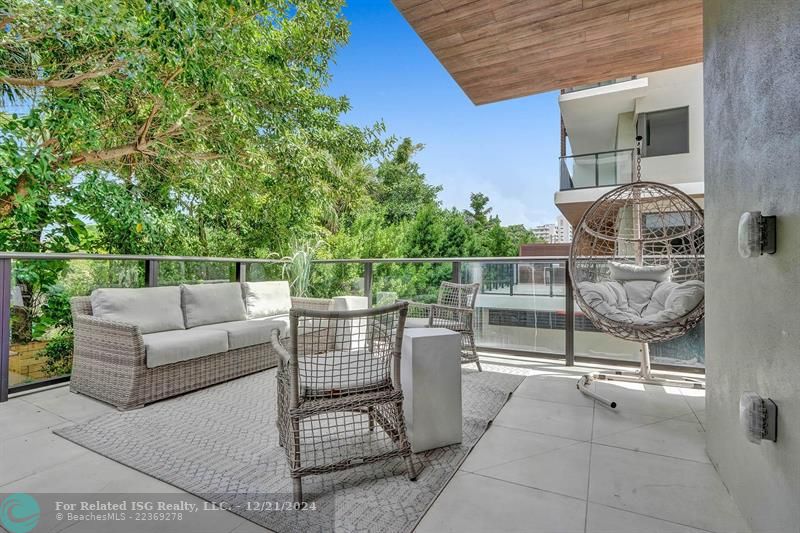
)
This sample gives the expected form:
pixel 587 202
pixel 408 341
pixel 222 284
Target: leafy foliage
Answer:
pixel 189 127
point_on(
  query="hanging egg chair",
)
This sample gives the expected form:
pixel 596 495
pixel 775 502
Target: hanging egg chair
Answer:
pixel 637 267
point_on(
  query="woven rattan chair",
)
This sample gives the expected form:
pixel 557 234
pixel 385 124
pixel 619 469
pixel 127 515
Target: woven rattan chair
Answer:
pixel 339 399
pixel 454 309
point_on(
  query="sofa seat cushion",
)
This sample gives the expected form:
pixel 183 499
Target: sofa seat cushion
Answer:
pixel 153 309
pixel 167 347
pixel 266 298
pixel 212 303
pixel 334 372
pixel 244 333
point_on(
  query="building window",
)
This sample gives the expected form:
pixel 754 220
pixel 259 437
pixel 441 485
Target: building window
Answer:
pixel 673 233
pixel 664 132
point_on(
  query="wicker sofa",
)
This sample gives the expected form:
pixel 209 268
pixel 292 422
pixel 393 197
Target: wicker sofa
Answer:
pixel 137 346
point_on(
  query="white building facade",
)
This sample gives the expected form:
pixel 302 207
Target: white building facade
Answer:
pixel 601 124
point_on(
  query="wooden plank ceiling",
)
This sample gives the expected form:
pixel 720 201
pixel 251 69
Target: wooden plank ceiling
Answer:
pixel 500 49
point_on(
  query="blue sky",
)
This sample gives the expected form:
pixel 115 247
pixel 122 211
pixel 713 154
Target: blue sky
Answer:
pixel 507 150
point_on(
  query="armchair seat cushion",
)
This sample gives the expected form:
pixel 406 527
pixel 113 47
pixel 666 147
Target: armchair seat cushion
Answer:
pixel 244 333
pixel 173 346
pixel 335 372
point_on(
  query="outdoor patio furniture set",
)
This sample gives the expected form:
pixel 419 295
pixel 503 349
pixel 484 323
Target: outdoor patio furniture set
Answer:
pixel 340 382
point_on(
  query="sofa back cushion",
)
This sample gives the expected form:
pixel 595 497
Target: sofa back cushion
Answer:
pixel 212 303
pixel 153 309
pixel 267 298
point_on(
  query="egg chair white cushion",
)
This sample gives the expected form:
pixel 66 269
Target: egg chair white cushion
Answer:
pixel 631 272
pixel 642 302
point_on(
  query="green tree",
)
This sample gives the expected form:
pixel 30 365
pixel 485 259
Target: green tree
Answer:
pixel 400 186
pixel 426 236
pixel 478 212
pixel 457 234
pixel 214 110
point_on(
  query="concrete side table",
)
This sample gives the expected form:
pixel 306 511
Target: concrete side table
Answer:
pixel 430 376
pixel 349 303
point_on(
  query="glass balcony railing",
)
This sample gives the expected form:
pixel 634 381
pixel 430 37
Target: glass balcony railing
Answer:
pixel 603 83
pixel 524 305
pixel 600 169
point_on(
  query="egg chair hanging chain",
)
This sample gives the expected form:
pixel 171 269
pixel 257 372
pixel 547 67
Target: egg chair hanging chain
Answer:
pixel 638 158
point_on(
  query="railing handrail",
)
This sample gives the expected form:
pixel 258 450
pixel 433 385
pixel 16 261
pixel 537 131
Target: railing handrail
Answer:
pixel 509 259
pixel 48 256
pixel 596 153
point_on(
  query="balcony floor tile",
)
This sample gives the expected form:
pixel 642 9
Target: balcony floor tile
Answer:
pixel 553 460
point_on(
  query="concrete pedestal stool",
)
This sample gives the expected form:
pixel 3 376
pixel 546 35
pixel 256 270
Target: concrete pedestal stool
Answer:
pixel 430 376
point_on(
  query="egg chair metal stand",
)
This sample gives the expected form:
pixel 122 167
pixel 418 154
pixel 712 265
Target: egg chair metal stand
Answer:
pixel 637 270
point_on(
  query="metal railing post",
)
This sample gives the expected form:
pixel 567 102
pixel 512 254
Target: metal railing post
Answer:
pixel 368 283
pixel 596 170
pixel 151 273
pixel 240 271
pixel 569 319
pixel 552 276
pixel 5 326
pixel 456 275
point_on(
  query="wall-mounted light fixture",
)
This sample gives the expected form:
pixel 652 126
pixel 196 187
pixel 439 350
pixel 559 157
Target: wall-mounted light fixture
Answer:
pixel 759 417
pixel 757 234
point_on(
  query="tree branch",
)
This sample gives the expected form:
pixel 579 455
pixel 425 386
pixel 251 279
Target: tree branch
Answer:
pixel 7 203
pixel 57 83
pixel 110 154
pixel 141 135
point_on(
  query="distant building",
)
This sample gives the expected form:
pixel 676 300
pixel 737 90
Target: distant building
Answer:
pixel 560 232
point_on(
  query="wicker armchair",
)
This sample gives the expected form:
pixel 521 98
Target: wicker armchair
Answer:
pixel 454 310
pixel 339 399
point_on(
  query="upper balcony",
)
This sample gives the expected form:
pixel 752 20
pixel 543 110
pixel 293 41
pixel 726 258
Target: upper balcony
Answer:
pixel 604 83
pixel 599 169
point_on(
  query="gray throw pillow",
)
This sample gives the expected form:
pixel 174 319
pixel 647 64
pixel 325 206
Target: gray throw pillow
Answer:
pixel 267 298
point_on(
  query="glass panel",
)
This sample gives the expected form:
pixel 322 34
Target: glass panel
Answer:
pixel 41 322
pixel 689 350
pixel 264 272
pixel 607 169
pixel 177 272
pixel 520 306
pixel 596 170
pixel 582 169
pixel 336 279
pixel 417 282
pixel 591 342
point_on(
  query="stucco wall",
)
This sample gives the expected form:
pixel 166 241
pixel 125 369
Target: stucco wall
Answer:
pixel 752 161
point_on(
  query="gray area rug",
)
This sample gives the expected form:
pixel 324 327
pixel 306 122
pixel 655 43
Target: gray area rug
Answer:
pixel 221 444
